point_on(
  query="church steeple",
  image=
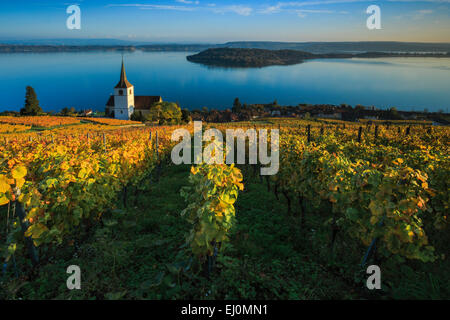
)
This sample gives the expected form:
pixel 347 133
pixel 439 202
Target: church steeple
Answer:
pixel 123 82
pixel 123 101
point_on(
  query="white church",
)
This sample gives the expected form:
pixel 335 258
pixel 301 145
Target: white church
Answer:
pixel 123 103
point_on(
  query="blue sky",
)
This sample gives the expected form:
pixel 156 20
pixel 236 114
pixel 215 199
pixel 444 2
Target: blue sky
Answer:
pixel 217 21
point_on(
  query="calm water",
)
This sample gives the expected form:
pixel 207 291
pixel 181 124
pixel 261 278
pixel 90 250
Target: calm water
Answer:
pixel 85 80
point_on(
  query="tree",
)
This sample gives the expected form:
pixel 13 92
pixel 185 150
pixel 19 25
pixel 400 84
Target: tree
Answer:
pixel 393 114
pixel 65 111
pixel 307 116
pixel 68 111
pixel 237 106
pixel 137 116
pixel 186 116
pixel 31 107
pixel 9 113
pixel 165 113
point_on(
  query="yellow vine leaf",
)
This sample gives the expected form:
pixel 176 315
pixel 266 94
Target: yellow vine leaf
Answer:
pixel 4 185
pixel 19 172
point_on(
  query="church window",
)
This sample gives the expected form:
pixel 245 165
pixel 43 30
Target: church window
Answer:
pixel 121 92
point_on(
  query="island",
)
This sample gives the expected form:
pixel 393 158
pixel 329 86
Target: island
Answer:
pixel 257 58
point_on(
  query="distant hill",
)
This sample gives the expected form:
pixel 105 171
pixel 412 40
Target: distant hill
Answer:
pixel 73 42
pixel 250 58
pixel 344 47
pixel 11 48
pixel 68 45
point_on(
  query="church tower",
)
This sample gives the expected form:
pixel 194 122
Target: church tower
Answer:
pixel 123 97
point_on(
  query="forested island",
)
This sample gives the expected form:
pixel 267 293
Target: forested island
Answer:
pixel 256 58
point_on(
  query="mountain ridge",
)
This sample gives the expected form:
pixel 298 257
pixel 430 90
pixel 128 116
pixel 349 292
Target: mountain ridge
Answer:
pixel 57 45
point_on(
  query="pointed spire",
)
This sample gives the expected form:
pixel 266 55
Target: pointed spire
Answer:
pixel 123 83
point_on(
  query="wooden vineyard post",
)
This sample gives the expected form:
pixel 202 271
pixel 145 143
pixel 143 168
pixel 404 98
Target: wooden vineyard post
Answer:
pixel 309 132
pixel 408 130
pixel 321 131
pixel 156 145
pixel 376 132
pixel 104 143
pixel 334 232
pixel 359 134
pixel 210 262
pixel 24 226
pixel 157 155
pixel 430 130
pixel 399 130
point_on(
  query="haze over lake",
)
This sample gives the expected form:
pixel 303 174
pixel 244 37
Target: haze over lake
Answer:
pixel 86 79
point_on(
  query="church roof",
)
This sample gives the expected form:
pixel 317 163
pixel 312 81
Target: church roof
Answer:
pixel 145 102
pixel 140 102
pixel 110 102
pixel 123 82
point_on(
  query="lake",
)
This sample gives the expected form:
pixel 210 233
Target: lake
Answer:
pixel 86 79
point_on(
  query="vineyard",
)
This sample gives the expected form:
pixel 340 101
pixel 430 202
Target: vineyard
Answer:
pixel 107 197
pixel 44 121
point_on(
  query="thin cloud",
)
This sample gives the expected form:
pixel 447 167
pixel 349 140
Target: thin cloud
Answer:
pixel 153 6
pixel 188 1
pixel 271 9
pixel 238 9
pixel 419 14
pixel 432 1
pixel 317 3
pixel 291 7
pixel 315 11
pixel 303 13
pixel 325 2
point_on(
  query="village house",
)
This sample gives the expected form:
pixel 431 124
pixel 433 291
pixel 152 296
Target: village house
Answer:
pixel 370 117
pixel 336 115
pixel 86 113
